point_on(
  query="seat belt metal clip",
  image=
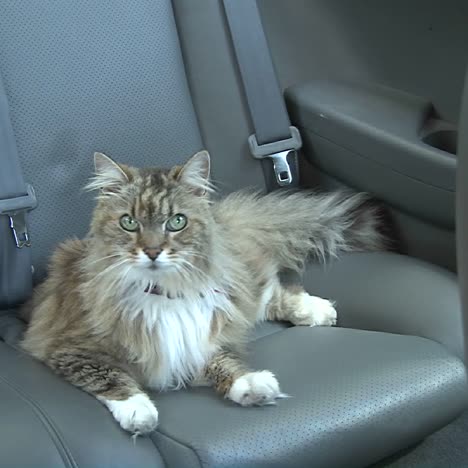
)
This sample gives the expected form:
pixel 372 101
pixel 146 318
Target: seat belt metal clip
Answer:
pixel 16 209
pixel 278 152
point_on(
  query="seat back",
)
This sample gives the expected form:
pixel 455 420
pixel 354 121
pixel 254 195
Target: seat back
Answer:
pixel 91 76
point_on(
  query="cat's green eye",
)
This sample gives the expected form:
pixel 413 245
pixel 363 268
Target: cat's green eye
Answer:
pixel 128 223
pixel 176 223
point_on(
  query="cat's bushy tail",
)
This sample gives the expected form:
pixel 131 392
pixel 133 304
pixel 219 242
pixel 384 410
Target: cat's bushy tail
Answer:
pixel 290 227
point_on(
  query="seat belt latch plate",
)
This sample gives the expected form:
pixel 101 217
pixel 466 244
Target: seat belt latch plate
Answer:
pixel 16 209
pixel 278 152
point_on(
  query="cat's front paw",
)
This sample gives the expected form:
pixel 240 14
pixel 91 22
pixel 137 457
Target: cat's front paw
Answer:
pixel 255 389
pixel 136 414
pixel 314 312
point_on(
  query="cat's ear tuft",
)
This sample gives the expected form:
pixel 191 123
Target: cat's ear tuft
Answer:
pixel 196 173
pixel 106 168
pixel 108 174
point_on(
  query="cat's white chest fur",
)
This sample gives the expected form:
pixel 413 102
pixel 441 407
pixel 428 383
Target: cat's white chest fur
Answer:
pixel 181 329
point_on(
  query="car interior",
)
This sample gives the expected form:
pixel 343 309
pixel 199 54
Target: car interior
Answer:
pixel 375 93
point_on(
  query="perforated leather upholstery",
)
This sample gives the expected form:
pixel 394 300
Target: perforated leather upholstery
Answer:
pixel 355 397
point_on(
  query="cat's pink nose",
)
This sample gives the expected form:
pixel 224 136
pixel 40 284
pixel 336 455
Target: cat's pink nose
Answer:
pixel 152 252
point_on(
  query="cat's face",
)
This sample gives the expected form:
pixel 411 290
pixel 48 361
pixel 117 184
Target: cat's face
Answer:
pixel 153 222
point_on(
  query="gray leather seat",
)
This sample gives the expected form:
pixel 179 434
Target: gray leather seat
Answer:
pixel 355 396
pixel 84 76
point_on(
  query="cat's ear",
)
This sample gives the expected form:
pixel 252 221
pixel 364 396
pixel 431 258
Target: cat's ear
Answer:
pixel 109 175
pixel 196 173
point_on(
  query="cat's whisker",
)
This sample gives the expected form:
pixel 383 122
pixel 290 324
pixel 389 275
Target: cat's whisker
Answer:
pixel 118 279
pixel 183 270
pixel 123 278
pixel 103 258
pixel 194 254
pixel 235 284
pixel 191 268
pixel 187 275
pixel 186 263
pixel 110 268
pixel 191 252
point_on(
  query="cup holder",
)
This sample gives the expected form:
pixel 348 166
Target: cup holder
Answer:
pixel 445 140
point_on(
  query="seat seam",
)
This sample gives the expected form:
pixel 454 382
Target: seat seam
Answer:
pixel 183 444
pixel 255 339
pixel 260 338
pixel 48 424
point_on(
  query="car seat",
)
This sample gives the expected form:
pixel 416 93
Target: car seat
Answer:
pixel 151 82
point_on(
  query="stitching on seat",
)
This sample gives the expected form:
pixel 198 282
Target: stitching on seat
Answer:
pixel 52 430
pixel 183 444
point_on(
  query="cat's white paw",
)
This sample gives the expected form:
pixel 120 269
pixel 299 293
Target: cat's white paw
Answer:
pixel 137 414
pixel 255 389
pixel 315 311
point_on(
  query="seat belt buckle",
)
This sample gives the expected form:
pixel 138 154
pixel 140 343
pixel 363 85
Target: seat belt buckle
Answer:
pixel 278 152
pixel 16 209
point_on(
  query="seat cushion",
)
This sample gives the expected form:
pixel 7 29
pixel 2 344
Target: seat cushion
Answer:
pixel 356 396
pixel 392 293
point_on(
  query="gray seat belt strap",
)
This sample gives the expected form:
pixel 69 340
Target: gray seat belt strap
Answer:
pixel 16 199
pixel 274 136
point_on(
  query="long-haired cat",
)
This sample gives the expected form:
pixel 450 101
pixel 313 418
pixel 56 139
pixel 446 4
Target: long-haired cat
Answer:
pixel 168 284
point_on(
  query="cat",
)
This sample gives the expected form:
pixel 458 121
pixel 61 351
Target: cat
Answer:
pixel 166 287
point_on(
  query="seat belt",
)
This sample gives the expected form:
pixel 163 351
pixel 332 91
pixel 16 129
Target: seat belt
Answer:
pixel 17 198
pixel 274 137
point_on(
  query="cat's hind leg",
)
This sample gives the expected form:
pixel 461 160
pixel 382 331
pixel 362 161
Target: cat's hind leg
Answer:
pixel 293 304
pixel 96 374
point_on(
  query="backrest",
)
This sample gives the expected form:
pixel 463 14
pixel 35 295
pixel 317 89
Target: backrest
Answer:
pixel 86 76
